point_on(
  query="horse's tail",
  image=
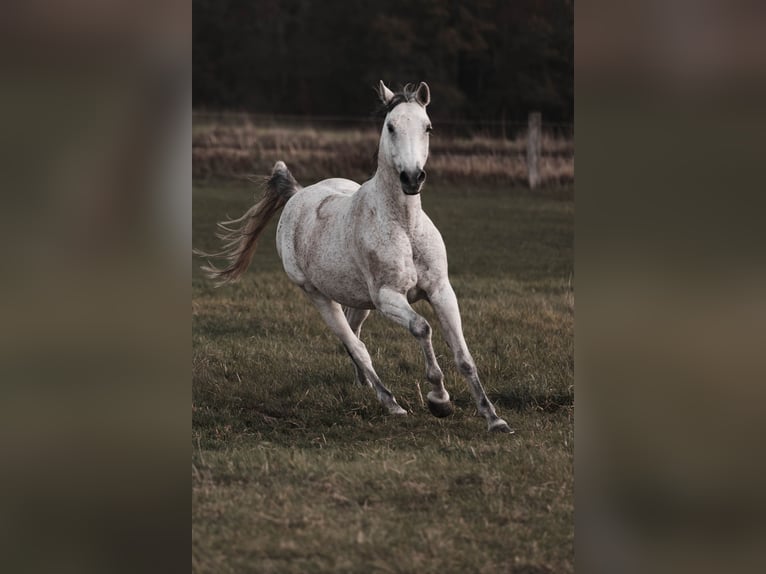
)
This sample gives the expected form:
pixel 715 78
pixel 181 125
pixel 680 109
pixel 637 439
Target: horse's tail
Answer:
pixel 241 235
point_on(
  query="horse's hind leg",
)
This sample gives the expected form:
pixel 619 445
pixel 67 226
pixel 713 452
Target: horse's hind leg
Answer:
pixel 355 318
pixel 332 313
pixel 445 304
pixel 395 306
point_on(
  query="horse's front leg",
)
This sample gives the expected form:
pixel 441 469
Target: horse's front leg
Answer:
pixel 395 306
pixel 444 302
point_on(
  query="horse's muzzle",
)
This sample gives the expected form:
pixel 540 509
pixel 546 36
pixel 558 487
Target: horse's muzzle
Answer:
pixel 412 183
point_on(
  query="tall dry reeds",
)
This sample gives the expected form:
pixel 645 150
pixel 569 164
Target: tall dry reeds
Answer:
pixel 232 151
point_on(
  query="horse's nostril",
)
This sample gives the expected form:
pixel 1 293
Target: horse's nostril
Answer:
pixel 404 178
pixel 421 176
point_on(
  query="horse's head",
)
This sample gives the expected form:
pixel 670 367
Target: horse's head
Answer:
pixel 404 140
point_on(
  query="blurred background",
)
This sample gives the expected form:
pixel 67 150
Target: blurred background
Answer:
pixel 671 286
pixel 296 78
pixel 486 60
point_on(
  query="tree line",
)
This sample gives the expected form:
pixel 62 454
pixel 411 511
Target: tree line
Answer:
pixel 484 59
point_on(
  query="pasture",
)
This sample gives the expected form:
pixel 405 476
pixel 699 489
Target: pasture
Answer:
pixel 295 469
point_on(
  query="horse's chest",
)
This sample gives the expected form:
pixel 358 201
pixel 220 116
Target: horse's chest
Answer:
pixel 392 268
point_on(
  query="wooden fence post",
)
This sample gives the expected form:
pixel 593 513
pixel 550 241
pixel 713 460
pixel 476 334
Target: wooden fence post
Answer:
pixel 533 149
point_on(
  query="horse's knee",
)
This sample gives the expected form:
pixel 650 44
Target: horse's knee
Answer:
pixel 420 328
pixel 466 366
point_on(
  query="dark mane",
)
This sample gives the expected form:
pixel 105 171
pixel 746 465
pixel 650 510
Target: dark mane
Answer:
pixel 407 94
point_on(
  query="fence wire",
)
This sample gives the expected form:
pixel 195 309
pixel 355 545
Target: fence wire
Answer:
pixel 235 144
pixel 457 127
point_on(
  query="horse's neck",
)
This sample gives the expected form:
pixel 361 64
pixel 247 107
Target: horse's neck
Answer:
pixel 391 202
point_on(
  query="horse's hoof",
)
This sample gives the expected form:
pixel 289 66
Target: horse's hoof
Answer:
pixel 440 409
pixel 396 410
pixel 500 425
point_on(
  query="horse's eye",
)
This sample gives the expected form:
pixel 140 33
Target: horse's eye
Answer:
pixel 429 129
pixel 390 128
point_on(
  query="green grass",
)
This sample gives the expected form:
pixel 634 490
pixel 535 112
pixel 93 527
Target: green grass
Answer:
pixel 297 470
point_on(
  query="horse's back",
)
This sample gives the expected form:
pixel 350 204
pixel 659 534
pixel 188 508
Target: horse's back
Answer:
pixel 310 196
pixel 338 184
pixel 315 199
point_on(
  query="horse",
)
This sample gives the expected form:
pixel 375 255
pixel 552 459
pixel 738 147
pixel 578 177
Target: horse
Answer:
pixel 352 248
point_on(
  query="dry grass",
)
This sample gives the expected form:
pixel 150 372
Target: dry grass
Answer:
pixel 232 151
pixel 295 469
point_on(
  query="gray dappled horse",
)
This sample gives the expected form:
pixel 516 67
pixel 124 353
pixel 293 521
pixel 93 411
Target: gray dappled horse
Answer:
pixel 367 247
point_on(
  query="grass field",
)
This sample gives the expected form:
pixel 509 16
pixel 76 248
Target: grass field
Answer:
pixel 295 469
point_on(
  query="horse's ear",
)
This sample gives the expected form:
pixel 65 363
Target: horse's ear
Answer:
pixel 423 95
pixel 384 93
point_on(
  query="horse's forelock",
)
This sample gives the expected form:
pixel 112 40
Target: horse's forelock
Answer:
pixel 407 94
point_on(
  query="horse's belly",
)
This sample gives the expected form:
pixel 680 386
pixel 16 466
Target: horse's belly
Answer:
pixel 355 300
pixel 341 282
